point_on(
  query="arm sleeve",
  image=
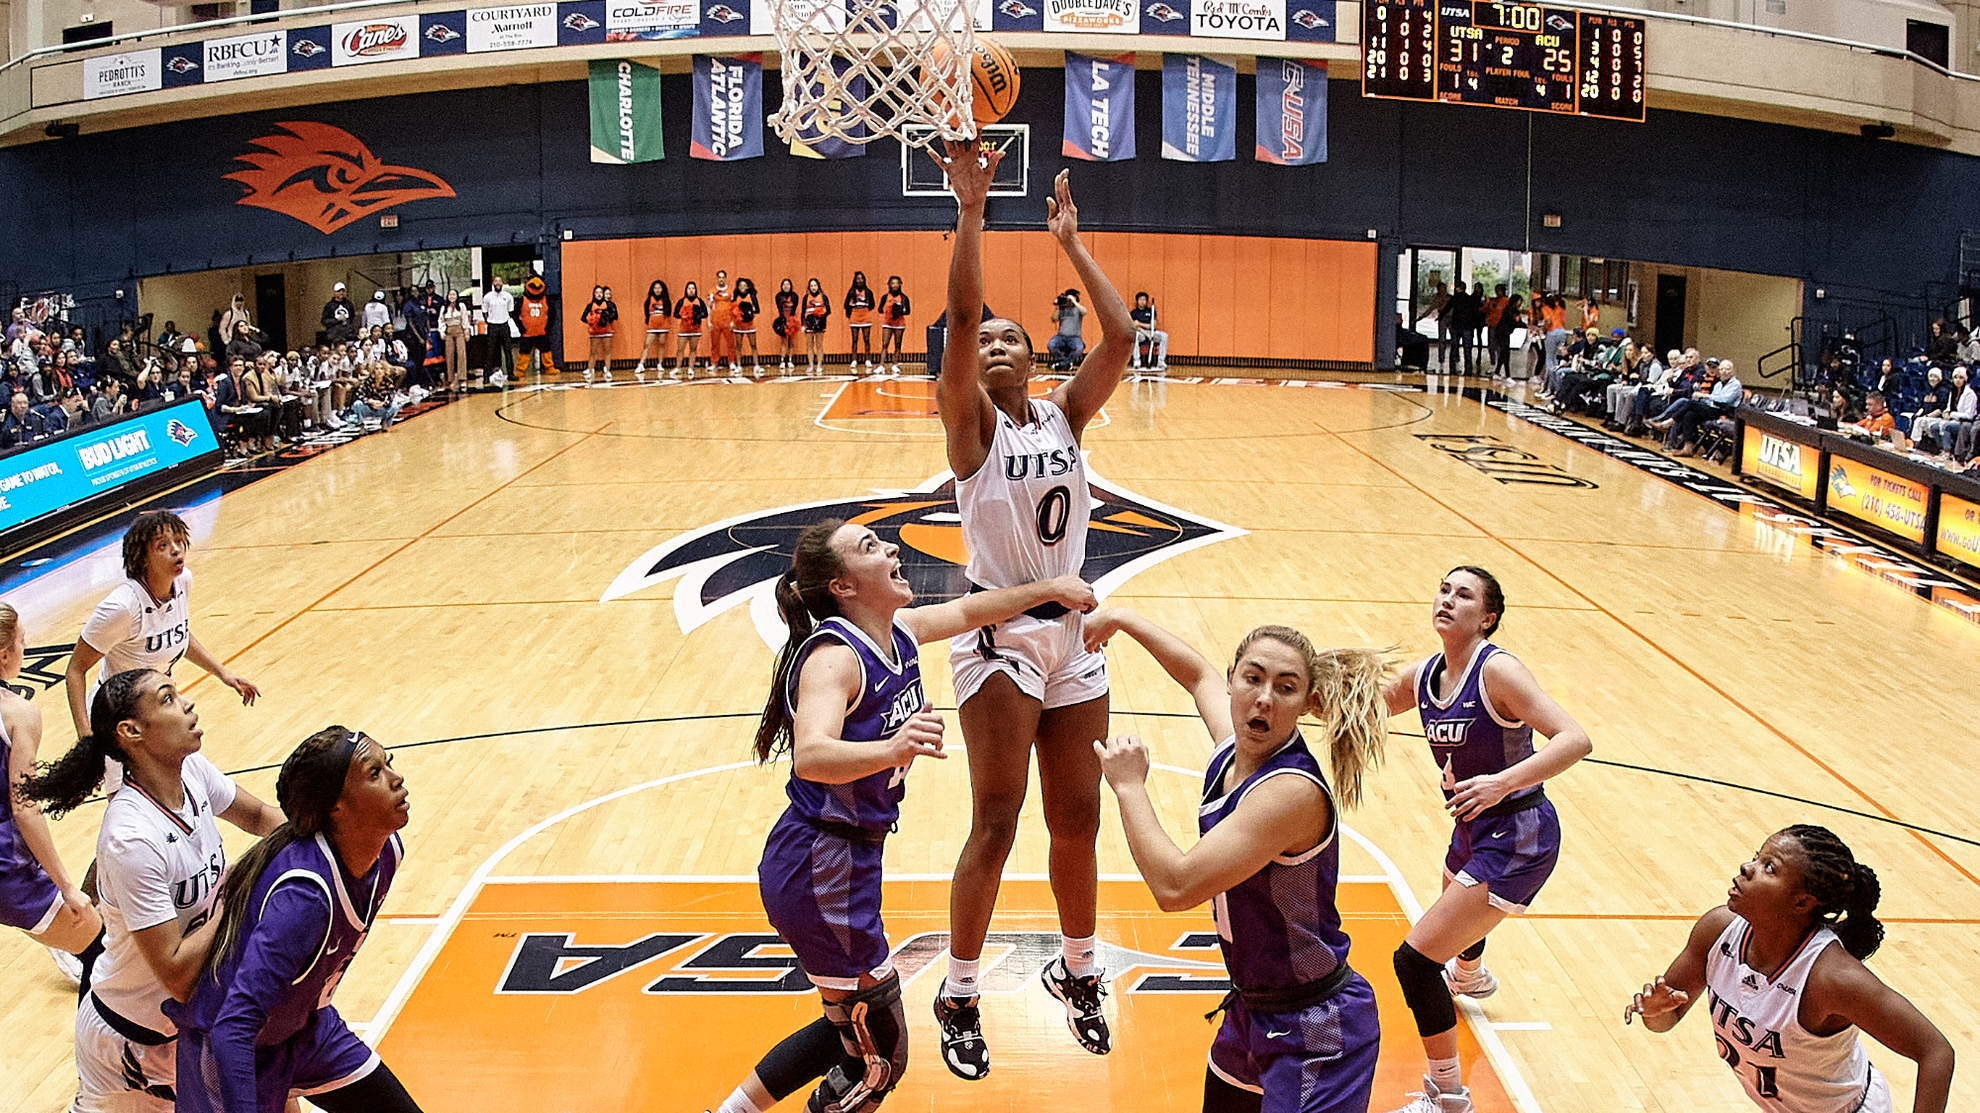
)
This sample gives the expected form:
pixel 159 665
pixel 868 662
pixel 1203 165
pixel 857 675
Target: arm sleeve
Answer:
pixel 111 624
pixel 294 918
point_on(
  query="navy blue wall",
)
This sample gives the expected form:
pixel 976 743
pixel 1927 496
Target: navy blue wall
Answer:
pixel 1840 211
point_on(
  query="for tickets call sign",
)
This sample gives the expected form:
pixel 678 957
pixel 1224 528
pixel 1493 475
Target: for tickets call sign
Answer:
pixel 1529 56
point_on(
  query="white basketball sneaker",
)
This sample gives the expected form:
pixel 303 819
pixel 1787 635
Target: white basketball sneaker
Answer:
pixel 1477 985
pixel 68 964
pixel 1431 1100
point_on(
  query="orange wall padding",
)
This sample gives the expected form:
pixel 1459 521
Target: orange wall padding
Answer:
pixel 1219 296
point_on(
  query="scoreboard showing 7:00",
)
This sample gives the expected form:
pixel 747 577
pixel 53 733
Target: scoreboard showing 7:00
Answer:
pixel 1530 56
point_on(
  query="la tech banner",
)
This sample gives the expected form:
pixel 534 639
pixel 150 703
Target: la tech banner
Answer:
pixel 1099 107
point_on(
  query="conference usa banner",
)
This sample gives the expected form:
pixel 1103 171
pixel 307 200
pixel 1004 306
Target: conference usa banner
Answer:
pixel 728 107
pixel 1099 107
pixel 625 112
pixel 1292 111
pixel 1199 108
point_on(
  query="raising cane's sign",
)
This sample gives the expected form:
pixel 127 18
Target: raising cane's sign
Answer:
pixel 374 40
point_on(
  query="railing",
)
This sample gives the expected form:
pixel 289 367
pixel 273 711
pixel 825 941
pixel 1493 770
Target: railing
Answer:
pixel 1790 365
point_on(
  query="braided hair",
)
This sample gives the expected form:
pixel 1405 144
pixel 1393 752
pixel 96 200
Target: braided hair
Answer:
pixel 804 596
pixel 63 785
pixel 1845 890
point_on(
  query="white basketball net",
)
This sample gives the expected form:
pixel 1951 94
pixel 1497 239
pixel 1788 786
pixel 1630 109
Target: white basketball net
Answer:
pixel 858 71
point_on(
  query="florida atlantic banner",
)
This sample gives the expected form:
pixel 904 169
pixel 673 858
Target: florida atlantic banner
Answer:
pixel 625 112
pixel 1099 107
pixel 1199 108
pixel 728 107
pixel 1292 111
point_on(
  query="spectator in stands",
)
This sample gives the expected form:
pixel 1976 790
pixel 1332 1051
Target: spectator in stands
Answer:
pixel 119 362
pixel 1935 429
pixel 1151 344
pixel 377 312
pixel 17 324
pixel 235 316
pixel 261 384
pixel 248 420
pixel 21 425
pixel 1068 344
pixel 183 385
pixel 150 388
pixel 75 413
pixel 339 316
pixel 243 345
pixel 374 397
pixel 1942 347
pixel 1412 347
pixel 1628 398
pixel 498 306
pixel 318 377
pixel 1467 313
pixel 1877 420
pixel 1969 348
pixel 168 340
pixel 1503 322
pixel 456 324
pixel 1686 415
pixel 109 403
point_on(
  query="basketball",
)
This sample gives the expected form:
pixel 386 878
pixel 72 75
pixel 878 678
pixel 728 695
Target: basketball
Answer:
pixel 993 78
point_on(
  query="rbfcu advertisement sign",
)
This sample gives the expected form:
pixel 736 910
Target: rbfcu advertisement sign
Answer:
pixel 1884 500
pixel 1782 462
pixel 1238 19
pixel 1959 530
pixel 118 74
pixel 1099 17
pixel 247 56
pixel 634 20
pixel 374 40
pixel 518 28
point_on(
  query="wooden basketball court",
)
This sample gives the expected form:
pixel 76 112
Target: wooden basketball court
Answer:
pixel 541 601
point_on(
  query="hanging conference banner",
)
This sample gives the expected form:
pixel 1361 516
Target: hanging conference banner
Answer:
pixel 625 112
pixel 812 143
pixel 1199 108
pixel 1099 107
pixel 1292 111
pixel 728 107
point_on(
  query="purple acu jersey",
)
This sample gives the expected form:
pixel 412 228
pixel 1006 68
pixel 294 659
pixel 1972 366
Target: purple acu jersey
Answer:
pixel 1467 737
pixel 26 893
pixel 1279 927
pixel 889 692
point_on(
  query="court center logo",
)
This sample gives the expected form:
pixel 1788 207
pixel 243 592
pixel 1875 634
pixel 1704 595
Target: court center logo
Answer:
pixel 326 177
pixel 738 560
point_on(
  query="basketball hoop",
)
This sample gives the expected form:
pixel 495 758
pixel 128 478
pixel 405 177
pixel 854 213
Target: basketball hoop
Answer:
pixel 860 70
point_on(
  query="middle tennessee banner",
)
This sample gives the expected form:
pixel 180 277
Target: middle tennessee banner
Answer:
pixel 1099 107
pixel 1199 108
pixel 1292 111
pixel 728 107
pixel 625 112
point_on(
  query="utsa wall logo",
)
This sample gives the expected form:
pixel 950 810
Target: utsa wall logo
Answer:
pixel 1306 18
pixel 326 177
pixel 180 433
pixel 738 560
pixel 753 962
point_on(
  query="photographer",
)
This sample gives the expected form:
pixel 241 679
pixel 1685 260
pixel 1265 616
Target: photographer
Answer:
pixel 1067 346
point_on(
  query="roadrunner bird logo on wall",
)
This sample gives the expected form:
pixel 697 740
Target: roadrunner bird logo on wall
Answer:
pixel 731 562
pixel 326 177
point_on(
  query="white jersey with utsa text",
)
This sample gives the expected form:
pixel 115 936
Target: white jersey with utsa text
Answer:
pixel 134 631
pixel 1756 1018
pixel 1024 512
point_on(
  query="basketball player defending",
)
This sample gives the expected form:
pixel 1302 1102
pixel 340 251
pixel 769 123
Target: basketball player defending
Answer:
pixel 1480 708
pixel 1781 964
pixel 1029 682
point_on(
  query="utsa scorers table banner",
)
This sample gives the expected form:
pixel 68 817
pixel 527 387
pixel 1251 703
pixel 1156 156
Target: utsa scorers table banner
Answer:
pixel 54 475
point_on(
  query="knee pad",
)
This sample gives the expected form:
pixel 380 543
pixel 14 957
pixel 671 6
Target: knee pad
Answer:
pixel 872 1026
pixel 803 1056
pixel 1422 982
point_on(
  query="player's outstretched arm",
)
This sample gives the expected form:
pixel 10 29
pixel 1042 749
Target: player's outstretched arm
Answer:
pixel 987 608
pixel 1101 372
pixel 1177 657
pixel 1847 989
pixel 829 687
pixel 1399 689
pixel 1664 1002
pixel 1278 816
pixel 1518 697
pixel 967 420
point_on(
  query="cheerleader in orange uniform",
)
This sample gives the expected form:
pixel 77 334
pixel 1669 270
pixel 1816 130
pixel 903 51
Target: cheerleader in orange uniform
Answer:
pixel 744 312
pixel 859 317
pixel 894 310
pixel 689 312
pixel 659 321
pixel 721 321
pixel 786 325
pixel 600 317
pixel 817 310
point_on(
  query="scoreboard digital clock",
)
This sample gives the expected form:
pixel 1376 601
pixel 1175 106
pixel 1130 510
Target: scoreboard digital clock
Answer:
pixel 1530 56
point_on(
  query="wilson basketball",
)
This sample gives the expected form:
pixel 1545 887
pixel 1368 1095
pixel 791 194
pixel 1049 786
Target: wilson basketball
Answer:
pixel 993 79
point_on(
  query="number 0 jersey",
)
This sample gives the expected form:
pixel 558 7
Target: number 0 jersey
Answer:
pixel 1756 1019
pixel 1024 512
pixel 889 692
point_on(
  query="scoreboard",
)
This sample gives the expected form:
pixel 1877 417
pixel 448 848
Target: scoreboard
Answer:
pixel 1531 56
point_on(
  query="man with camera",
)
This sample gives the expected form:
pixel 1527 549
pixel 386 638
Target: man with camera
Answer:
pixel 1068 345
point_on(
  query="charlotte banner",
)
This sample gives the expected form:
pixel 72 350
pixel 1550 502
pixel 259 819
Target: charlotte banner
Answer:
pixel 728 107
pixel 1099 107
pixel 1292 111
pixel 625 112
pixel 1199 108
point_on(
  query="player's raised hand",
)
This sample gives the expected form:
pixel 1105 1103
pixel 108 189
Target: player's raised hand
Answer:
pixel 1655 999
pixel 1074 593
pixel 970 170
pixel 1061 215
pixel 1123 760
pixel 920 736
